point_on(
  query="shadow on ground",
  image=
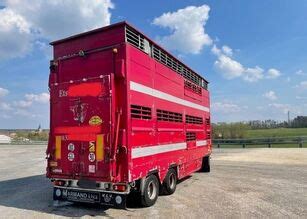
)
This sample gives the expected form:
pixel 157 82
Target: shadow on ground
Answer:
pixel 35 193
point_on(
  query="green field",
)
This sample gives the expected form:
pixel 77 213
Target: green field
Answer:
pixel 279 132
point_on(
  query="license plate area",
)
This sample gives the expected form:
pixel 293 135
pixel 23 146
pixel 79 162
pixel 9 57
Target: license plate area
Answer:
pixel 75 195
pixel 82 196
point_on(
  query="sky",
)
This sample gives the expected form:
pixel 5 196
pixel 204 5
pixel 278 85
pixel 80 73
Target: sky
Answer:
pixel 253 53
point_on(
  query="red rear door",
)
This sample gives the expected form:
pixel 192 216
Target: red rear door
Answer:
pixel 81 121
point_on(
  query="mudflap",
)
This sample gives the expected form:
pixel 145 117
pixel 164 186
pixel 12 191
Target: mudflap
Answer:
pixel 110 199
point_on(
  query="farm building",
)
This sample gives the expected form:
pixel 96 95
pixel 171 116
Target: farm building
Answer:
pixel 5 139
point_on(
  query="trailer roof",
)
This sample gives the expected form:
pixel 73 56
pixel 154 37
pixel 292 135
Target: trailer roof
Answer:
pixel 123 23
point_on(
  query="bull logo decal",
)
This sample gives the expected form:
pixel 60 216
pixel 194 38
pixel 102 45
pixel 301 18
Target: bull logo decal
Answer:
pixel 79 111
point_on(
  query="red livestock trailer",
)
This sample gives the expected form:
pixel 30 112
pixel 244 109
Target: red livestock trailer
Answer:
pixel 126 117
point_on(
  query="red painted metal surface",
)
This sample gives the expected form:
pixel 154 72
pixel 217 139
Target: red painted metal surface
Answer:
pixel 96 91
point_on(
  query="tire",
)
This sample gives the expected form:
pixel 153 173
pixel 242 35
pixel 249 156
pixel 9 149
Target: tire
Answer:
pixel 170 182
pixel 206 165
pixel 151 191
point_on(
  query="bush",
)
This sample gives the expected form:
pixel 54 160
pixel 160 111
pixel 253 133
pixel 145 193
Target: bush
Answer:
pixel 230 130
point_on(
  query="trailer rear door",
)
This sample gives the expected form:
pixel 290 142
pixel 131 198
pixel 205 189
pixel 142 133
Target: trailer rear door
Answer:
pixel 81 121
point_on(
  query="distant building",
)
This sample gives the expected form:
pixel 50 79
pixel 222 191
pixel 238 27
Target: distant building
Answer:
pixel 5 139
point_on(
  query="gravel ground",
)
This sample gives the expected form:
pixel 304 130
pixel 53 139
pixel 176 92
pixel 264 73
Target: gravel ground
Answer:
pixel 243 183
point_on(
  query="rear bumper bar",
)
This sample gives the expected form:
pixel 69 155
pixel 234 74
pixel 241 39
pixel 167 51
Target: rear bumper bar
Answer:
pixel 111 199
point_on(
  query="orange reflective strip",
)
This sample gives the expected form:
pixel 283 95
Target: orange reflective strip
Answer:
pixel 99 148
pixel 58 143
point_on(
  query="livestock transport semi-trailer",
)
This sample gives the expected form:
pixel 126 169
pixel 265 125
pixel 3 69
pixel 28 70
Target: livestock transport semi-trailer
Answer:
pixel 126 117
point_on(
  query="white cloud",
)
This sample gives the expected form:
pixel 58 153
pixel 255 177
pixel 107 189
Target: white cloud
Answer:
pixel 253 74
pixel 22 103
pixel 225 107
pixel 188 29
pixel 45 48
pixel 3 92
pixel 227 50
pixel 273 73
pixel 270 95
pixel 5 106
pixel 15 35
pixel 24 21
pixel 230 68
pixel 216 51
pixel 302 85
pixel 40 98
pixel 31 98
pixel 301 72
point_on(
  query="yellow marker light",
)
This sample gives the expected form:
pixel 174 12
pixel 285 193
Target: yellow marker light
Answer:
pixel 99 148
pixel 58 142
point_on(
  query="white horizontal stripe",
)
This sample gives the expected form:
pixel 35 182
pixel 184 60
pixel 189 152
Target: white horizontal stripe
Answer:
pixel 164 96
pixel 201 143
pixel 157 149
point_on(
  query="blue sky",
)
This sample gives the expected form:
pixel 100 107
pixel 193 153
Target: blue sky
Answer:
pixel 252 52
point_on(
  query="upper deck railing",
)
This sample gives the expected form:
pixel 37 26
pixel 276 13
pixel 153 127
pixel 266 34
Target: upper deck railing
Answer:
pixel 139 40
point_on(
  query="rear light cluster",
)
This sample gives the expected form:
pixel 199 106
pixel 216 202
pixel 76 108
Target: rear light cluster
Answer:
pixel 119 187
pixel 59 182
pixel 53 164
pixel 106 186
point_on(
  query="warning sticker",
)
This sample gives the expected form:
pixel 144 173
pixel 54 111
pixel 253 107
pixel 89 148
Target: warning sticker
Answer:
pixel 95 121
pixel 91 168
pixel 92 146
pixel 91 157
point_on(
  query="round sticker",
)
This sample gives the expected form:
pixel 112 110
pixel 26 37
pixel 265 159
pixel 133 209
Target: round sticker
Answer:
pixel 118 199
pixel 91 157
pixel 95 120
pixel 71 156
pixel 71 147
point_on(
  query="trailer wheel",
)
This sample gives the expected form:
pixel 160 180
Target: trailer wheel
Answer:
pixel 170 182
pixel 206 165
pixel 151 191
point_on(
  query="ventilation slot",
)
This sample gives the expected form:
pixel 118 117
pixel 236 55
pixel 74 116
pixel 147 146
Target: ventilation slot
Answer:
pixel 192 87
pixel 193 119
pixel 208 135
pixel 137 40
pixel 163 115
pixel 190 136
pixel 140 112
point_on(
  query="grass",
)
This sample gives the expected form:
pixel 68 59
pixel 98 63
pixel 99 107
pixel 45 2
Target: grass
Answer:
pixel 279 132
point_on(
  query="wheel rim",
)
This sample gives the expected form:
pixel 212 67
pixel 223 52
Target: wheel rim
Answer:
pixel 151 190
pixel 172 181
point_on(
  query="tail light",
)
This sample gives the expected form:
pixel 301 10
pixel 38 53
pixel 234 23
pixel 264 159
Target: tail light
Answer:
pixel 59 182
pixel 53 164
pixel 119 188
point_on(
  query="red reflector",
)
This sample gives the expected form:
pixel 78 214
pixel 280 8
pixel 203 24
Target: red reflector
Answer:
pixel 120 188
pixel 58 182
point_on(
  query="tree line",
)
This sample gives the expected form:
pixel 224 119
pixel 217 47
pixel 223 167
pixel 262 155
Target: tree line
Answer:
pixel 240 129
pixel 297 122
